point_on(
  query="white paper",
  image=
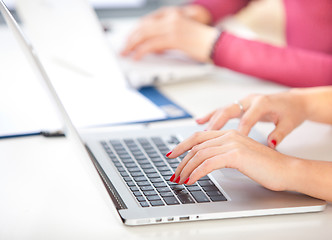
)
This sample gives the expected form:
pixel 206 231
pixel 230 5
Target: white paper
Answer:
pixel 24 104
pixel 101 101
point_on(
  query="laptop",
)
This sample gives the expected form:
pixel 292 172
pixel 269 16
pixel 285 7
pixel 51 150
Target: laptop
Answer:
pixel 135 171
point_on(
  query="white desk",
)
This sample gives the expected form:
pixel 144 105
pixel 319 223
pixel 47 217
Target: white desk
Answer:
pixel 48 191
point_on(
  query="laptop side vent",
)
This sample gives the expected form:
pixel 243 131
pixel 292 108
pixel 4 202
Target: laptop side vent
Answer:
pixel 117 200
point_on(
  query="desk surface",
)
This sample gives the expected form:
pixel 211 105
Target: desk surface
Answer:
pixel 48 190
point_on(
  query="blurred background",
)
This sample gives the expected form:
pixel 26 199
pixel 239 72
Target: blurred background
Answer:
pixel 265 18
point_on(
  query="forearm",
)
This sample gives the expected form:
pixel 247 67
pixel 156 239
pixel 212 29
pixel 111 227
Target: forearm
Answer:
pixel 310 177
pixel 219 9
pixel 289 66
pixel 317 103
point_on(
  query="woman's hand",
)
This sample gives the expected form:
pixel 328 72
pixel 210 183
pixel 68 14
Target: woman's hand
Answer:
pixel 211 150
pixel 172 28
pixel 286 110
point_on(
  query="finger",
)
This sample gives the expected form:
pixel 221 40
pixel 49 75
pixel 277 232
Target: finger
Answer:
pixel 206 118
pixel 221 117
pixel 195 139
pixel 198 151
pixel 142 34
pixel 250 118
pixel 198 159
pixel 282 129
pixel 209 165
pixel 152 46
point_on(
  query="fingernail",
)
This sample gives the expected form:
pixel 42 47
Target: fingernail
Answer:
pixel 178 179
pixel 172 178
pixel 274 143
pixel 168 154
pixel 185 182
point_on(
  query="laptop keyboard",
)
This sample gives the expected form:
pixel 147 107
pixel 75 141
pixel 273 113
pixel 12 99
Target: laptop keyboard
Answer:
pixel 146 171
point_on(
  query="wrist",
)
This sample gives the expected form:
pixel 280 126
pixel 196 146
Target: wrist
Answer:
pixel 197 13
pixel 302 101
pixel 208 42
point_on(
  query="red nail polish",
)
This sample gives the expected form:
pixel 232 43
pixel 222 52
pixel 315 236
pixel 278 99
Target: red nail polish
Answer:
pixel 172 178
pixel 178 179
pixel 274 142
pixel 185 182
pixel 168 154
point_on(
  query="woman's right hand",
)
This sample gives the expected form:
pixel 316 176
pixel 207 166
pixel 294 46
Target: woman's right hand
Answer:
pixel 177 28
pixel 286 110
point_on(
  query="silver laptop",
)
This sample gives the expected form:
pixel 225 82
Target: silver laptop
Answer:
pixel 135 172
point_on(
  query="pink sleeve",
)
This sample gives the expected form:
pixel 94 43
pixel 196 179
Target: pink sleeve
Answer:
pixel 289 66
pixel 221 8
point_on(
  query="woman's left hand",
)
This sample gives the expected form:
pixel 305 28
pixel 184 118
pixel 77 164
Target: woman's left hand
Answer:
pixel 211 150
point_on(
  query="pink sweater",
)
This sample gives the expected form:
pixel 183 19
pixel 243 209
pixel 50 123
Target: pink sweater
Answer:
pixel 306 60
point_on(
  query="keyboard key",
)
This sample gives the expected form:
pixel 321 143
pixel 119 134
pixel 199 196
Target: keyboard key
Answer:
pixel 150 193
pixel 214 193
pixel 130 165
pixel 185 198
pixel 144 183
pixel 159 184
pixel 144 204
pixel 173 161
pixel 163 168
pixel 153 198
pixel 166 173
pixel 167 177
pixel 134 169
pixel 156 159
pixel 140 199
pixel 155 180
pixel 177 187
pixel 174 140
pixel 142 161
pixel 147 188
pixel 146 166
pixel 171 200
pixel 137 174
pixel 150 170
pixel 218 198
pixel 124 174
pixel 167 194
pixel 137 194
pixel 200 197
pixel 153 175
pixel 205 183
pixel 210 188
pixel 193 188
pixel 121 169
pixel 127 179
pixel 163 189
pixel 153 155
pixel 134 188
pixel 160 164
pixel 117 164
pixel 131 184
pixel 140 179
pixel 157 203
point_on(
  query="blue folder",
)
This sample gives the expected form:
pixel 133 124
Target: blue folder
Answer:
pixel 172 110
